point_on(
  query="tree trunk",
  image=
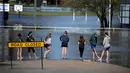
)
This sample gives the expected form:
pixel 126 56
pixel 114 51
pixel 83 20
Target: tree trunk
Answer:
pixel 101 23
pixel 111 15
pixel 105 22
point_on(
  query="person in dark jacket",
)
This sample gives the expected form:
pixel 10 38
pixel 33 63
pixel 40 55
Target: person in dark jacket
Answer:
pixel 81 43
pixel 30 38
pixel 93 43
pixel 64 39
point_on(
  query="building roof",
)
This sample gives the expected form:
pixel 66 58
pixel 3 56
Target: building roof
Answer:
pixel 125 1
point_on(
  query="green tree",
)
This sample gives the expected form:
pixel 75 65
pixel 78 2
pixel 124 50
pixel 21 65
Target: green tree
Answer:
pixel 100 7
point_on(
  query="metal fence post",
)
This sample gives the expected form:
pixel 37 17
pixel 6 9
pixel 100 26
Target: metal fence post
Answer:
pixel 41 56
pixel 11 58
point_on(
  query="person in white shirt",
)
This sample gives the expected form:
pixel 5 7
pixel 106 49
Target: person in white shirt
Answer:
pixel 106 44
pixel 47 45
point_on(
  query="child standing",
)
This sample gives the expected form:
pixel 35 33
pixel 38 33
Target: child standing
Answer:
pixel 47 45
pixel 81 43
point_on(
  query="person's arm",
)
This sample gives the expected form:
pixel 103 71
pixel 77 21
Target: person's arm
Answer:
pixel 60 38
pixel 104 41
pixel 33 39
pixel 27 39
pixel 84 42
pixel 90 40
pixel 78 42
pixel 21 40
pixel 49 41
pixel 68 39
pixel 110 39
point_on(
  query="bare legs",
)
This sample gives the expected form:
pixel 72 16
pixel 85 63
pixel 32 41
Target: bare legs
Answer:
pixel 19 54
pixel 102 55
pixel 29 55
pixel 107 58
pixel 35 56
pixel 95 53
pixel 47 50
pixel 33 53
pixel 64 52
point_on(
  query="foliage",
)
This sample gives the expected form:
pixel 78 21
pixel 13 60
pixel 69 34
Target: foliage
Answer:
pixel 100 7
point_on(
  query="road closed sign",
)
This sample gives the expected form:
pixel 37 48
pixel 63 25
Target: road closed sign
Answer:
pixel 18 8
pixel 25 44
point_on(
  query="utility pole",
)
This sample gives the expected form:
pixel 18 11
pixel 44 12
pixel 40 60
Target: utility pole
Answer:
pixel 110 17
pixel 35 14
pixel 110 14
pixel 4 23
pixel 56 2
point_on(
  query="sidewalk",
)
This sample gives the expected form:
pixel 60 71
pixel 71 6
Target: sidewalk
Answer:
pixel 63 66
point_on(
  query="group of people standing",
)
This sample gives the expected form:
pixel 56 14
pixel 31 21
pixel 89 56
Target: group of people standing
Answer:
pixel 29 38
pixel 106 46
pixel 64 44
pixel 93 43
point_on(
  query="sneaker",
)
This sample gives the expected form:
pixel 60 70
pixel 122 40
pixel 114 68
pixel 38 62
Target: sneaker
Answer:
pixel 93 58
pixel 87 60
pixel 65 58
pixel 36 58
pixel 84 60
pixel 45 58
pixel 29 57
pixel 100 59
pixel 17 58
pixel 21 58
pixel 81 59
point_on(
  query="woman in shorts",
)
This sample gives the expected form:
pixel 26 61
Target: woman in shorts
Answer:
pixel 47 45
pixel 19 51
pixel 93 43
pixel 64 44
pixel 106 44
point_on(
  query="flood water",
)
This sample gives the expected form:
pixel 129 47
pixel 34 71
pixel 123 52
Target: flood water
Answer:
pixel 119 51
